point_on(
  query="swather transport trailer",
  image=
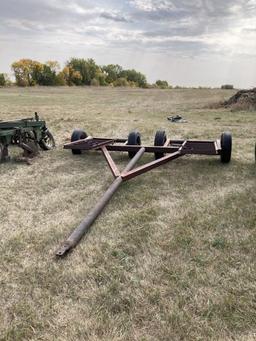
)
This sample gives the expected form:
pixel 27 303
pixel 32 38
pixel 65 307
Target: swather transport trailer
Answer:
pixel 164 149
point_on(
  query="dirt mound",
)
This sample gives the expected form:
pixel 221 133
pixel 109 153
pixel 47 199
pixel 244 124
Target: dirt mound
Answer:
pixel 242 100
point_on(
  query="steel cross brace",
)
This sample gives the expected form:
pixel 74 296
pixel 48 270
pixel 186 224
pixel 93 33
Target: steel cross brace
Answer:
pixel 128 173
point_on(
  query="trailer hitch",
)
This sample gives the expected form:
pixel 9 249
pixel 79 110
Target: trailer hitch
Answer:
pixel 165 150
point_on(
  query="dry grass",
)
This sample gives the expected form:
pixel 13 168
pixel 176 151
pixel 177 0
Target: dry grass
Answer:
pixel 171 258
pixel 244 106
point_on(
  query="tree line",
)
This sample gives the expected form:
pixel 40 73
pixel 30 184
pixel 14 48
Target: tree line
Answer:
pixel 77 71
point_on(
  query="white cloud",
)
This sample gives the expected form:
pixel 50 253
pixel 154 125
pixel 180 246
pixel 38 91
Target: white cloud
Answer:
pixel 152 5
pixel 207 29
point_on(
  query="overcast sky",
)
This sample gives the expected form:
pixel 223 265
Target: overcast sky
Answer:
pixel 187 42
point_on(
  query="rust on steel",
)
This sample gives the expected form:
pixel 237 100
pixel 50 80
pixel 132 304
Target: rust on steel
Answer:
pixel 88 143
pixel 85 225
pixel 148 149
pixel 149 166
pixel 115 171
pixel 172 148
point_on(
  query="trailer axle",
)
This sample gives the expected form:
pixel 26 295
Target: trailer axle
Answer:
pixel 165 150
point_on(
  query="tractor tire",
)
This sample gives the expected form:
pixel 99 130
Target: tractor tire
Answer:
pixel 226 147
pixel 160 139
pixel 134 139
pixel 78 134
pixel 47 142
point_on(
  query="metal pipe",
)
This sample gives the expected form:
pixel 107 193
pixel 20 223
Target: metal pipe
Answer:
pixel 85 225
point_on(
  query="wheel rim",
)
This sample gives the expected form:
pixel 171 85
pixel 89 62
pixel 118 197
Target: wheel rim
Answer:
pixel 48 141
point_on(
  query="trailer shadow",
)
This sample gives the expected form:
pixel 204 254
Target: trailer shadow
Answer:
pixel 192 173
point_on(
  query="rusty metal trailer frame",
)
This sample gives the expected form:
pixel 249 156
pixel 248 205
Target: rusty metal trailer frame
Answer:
pixel 170 150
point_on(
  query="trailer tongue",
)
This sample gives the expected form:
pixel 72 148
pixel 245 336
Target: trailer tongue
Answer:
pixel 165 150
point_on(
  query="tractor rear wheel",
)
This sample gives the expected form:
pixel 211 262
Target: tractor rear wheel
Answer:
pixel 226 147
pixel 134 139
pixel 78 134
pixel 47 142
pixel 160 139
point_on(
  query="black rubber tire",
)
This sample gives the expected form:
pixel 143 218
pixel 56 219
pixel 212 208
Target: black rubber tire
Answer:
pixel 1 152
pixel 226 147
pixel 134 139
pixel 47 142
pixel 160 139
pixel 78 134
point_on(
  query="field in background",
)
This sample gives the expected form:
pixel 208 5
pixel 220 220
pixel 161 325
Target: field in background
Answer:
pixel 173 255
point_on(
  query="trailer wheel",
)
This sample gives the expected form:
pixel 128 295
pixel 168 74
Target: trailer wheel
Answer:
pixel 226 147
pixel 160 139
pixel 47 142
pixel 1 152
pixel 134 139
pixel 78 134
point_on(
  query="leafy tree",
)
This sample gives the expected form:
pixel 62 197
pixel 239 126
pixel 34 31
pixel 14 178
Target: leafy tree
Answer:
pixel 86 67
pixel 78 71
pixel 29 72
pixel 53 65
pixel 71 76
pixel 2 79
pixel 36 72
pixel 112 72
pixel 162 84
pixel 47 75
pixel 95 82
pixel 134 76
pixel 100 76
pixel 121 82
pixel 26 72
pixel 60 79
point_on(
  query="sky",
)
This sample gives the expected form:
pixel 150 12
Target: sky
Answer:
pixel 186 42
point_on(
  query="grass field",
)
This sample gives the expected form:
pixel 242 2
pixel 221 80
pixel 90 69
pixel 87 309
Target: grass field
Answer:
pixel 173 255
